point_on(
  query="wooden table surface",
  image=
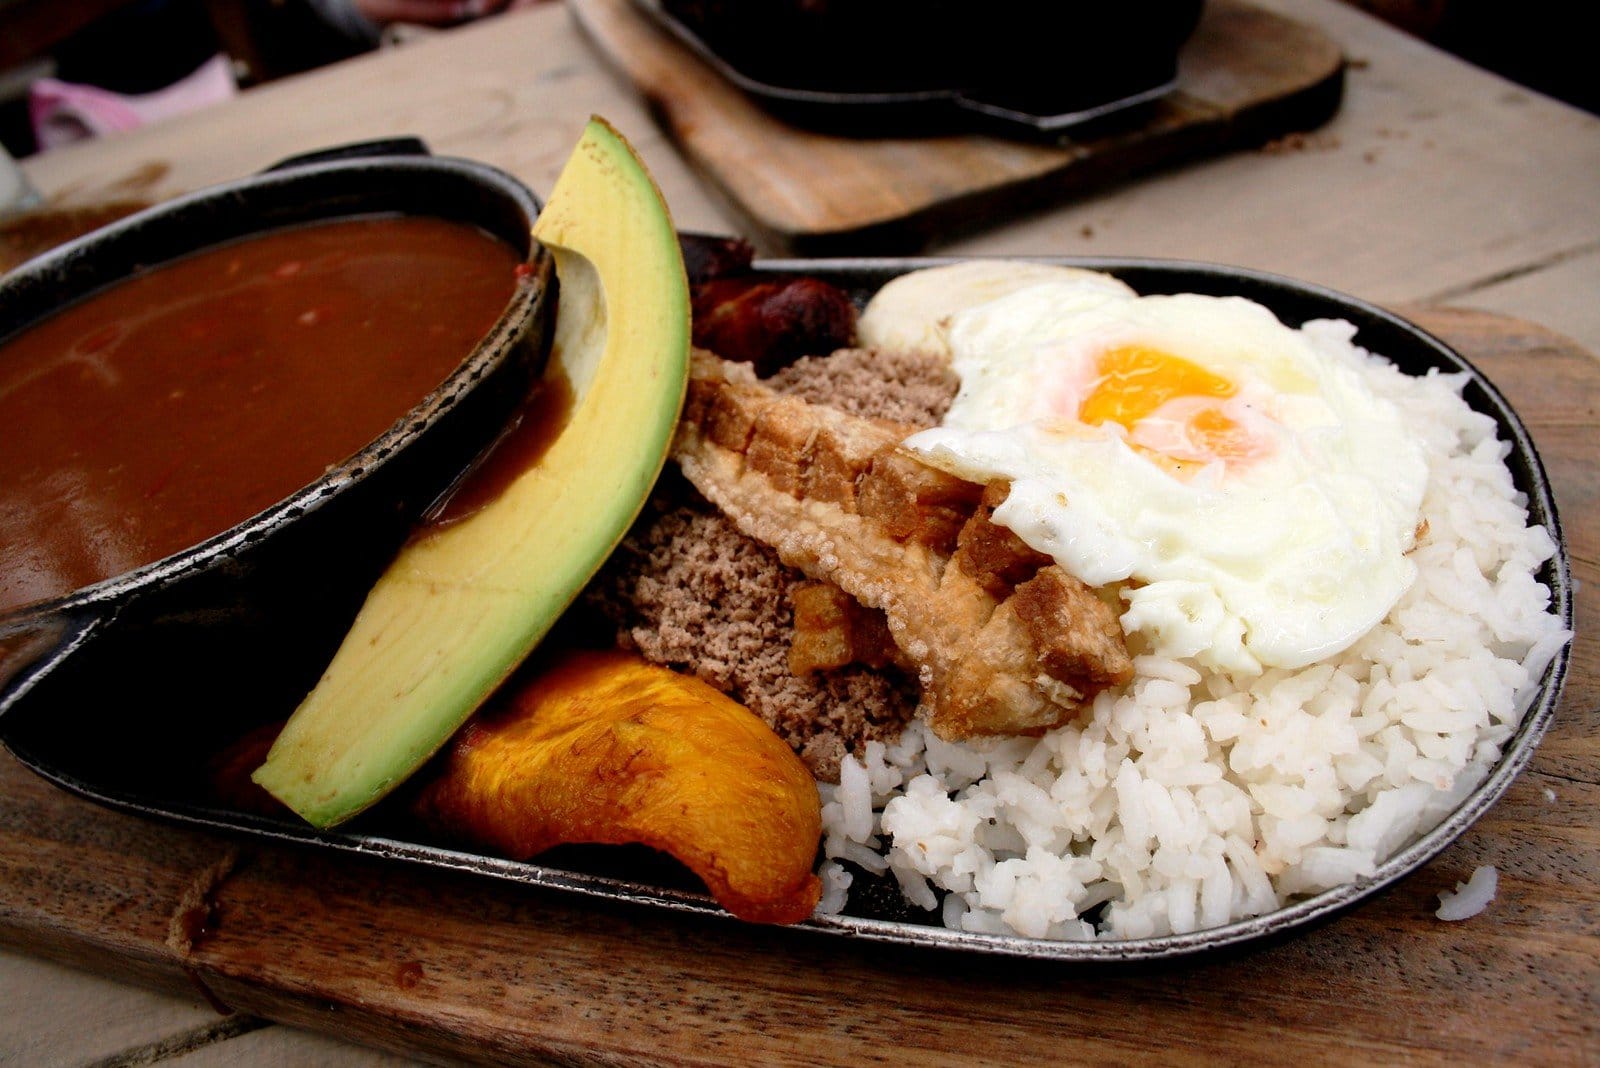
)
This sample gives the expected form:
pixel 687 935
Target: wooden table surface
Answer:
pixel 1436 184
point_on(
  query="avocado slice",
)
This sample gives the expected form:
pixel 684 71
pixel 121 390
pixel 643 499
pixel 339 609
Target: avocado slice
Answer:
pixel 465 602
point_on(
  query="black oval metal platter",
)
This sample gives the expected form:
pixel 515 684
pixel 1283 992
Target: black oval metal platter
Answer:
pixel 205 682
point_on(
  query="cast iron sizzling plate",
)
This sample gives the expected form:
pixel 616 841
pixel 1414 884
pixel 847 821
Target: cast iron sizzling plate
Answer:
pixel 1022 71
pixel 152 781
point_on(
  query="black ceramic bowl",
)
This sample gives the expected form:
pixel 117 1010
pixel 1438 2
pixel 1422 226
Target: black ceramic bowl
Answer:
pixel 186 633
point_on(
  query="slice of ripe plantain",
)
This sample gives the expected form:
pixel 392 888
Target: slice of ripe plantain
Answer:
pixel 606 748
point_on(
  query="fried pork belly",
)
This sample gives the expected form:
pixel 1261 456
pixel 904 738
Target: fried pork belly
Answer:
pixel 833 629
pixel 1003 641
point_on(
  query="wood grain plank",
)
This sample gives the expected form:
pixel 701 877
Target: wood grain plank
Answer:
pixel 446 966
pixel 1246 75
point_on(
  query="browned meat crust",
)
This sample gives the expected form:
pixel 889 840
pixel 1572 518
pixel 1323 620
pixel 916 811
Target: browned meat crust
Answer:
pixel 1003 641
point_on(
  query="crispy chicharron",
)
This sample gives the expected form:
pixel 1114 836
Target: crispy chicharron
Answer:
pixel 1002 639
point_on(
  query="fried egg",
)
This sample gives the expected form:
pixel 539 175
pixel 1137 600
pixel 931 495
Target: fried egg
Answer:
pixel 1251 497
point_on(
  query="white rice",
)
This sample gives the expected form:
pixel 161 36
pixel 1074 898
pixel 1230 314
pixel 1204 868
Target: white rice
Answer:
pixel 1190 798
pixel 1471 897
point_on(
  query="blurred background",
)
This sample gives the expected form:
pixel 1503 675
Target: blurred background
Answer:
pixel 77 68
pixel 151 58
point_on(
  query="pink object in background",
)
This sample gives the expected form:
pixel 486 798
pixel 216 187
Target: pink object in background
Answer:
pixel 64 112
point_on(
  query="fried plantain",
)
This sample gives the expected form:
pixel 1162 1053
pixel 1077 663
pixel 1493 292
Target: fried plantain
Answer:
pixel 607 748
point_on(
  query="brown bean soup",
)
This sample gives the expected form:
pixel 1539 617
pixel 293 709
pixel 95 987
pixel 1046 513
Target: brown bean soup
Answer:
pixel 181 402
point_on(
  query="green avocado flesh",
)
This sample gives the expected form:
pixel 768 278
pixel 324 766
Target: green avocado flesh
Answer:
pixel 464 603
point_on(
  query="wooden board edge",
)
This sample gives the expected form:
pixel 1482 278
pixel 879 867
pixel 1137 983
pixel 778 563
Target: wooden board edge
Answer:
pixel 1059 171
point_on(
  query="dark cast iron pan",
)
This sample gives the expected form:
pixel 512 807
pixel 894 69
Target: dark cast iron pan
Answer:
pixel 1035 69
pixel 205 637
pixel 150 768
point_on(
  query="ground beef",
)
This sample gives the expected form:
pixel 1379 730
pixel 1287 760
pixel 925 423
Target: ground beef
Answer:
pixel 909 388
pixel 687 590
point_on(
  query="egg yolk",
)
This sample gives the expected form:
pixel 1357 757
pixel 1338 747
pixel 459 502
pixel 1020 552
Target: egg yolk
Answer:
pixel 1218 436
pixel 1134 382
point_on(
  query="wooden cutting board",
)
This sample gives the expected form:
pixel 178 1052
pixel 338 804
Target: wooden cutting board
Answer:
pixel 1246 76
pixel 444 965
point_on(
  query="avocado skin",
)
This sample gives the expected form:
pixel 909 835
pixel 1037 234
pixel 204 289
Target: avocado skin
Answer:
pixel 463 604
